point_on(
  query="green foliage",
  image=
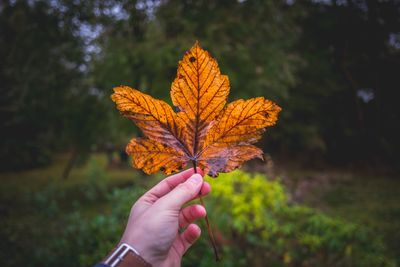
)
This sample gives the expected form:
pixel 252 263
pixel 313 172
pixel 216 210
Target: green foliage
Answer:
pixel 251 216
pixel 48 102
pixel 345 58
pixel 55 80
pixel 234 32
pixel 96 186
pixel 255 221
pixel 83 240
pixel 248 198
pixel 296 53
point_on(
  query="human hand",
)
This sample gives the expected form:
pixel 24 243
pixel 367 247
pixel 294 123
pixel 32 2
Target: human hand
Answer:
pixel 156 218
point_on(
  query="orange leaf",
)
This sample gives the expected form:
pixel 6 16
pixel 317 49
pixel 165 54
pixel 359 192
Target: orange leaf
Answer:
pixel 154 117
pixel 200 92
pixel 152 156
pixel 205 131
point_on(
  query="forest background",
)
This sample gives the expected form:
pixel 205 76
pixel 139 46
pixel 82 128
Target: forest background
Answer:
pixel 333 67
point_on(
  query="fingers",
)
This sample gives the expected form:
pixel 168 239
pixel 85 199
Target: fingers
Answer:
pixel 186 239
pixel 166 185
pixel 205 189
pixel 190 214
pixel 183 193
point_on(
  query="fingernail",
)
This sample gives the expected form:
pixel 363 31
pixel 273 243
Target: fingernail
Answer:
pixel 196 179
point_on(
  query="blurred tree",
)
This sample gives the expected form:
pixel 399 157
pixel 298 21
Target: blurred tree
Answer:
pixel 331 65
pixel 40 62
pixel 45 102
pixel 344 104
pixel 252 40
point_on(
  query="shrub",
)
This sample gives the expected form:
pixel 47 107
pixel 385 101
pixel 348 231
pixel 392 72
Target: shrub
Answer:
pixel 260 228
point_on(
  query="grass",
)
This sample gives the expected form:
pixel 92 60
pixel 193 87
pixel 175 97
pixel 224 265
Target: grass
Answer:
pixel 372 200
pixel 37 179
pixel 17 187
pixel 20 190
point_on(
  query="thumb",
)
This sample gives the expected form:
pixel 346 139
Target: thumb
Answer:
pixel 183 193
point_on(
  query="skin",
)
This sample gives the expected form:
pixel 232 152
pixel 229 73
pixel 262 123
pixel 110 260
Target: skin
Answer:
pixel 159 227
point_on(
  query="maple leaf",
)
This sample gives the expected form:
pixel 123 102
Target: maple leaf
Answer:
pixel 205 131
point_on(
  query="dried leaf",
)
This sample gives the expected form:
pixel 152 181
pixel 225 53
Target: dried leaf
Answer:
pixel 205 131
pixel 200 92
pixel 152 156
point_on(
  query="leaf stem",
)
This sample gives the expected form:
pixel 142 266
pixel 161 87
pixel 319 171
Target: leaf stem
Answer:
pixel 209 229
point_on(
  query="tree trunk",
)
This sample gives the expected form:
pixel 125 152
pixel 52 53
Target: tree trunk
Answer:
pixel 70 164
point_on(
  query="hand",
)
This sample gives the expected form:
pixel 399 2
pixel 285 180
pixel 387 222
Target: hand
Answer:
pixel 156 218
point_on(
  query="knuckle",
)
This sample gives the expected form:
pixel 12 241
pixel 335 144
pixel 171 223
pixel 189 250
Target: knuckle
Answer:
pixel 133 208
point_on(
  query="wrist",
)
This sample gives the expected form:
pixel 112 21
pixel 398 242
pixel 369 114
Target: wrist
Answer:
pixel 143 250
pixel 124 255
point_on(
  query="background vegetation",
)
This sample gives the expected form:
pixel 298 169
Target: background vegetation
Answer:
pixel 333 66
pixel 75 222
